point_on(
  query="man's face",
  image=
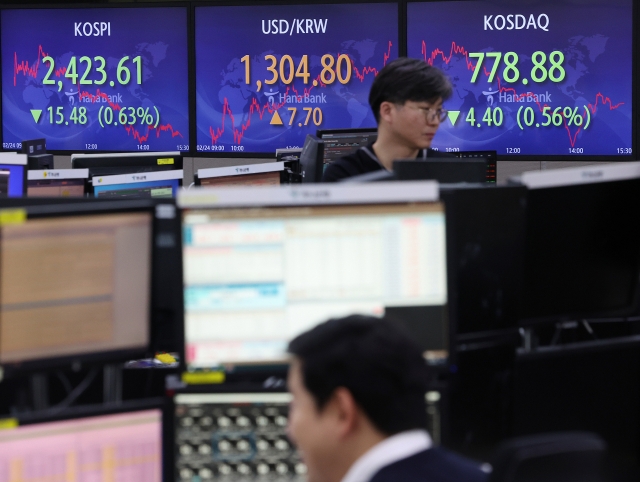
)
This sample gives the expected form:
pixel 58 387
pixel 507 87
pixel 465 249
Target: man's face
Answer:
pixel 310 429
pixel 416 123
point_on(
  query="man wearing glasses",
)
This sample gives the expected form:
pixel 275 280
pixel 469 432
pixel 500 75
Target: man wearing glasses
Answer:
pixel 406 98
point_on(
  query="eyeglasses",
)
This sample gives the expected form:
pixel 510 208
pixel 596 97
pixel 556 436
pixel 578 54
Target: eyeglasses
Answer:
pixel 432 114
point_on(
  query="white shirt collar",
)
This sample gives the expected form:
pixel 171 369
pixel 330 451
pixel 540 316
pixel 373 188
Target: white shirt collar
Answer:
pixel 387 452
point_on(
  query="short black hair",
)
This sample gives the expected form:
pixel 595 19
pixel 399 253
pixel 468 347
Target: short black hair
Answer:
pixel 408 79
pixel 376 360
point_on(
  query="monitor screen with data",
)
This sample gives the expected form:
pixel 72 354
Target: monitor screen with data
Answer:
pixel 245 432
pixel 56 188
pixel 118 447
pixel 95 79
pixel 266 76
pixel 255 278
pixel 74 285
pixel 342 142
pixel 535 78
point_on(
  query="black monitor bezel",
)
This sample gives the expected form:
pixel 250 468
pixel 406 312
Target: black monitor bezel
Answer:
pixel 47 208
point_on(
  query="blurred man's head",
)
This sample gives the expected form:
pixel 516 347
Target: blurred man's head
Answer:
pixel 406 98
pixel 354 381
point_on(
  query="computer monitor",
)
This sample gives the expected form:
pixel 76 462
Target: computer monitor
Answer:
pixel 163 184
pixel 76 282
pixel 57 183
pixel 311 159
pixel 86 443
pixel 342 142
pixel 568 97
pixel 582 253
pixel 124 88
pixel 491 157
pixel 441 170
pixel 126 162
pixel 326 56
pixel 485 242
pixel 244 435
pixel 266 174
pixel 263 265
pixel 13 174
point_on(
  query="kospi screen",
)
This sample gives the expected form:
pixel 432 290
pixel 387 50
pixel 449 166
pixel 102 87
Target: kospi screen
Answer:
pixel 107 79
pixel 545 78
pixel 268 75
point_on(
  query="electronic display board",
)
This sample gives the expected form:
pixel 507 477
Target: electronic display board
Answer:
pixel 545 78
pixel 106 79
pixel 268 75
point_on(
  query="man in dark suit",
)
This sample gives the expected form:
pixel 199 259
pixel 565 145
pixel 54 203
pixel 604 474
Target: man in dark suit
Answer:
pixel 406 98
pixel 359 413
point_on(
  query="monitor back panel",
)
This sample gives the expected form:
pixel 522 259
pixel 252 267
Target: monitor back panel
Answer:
pixel 485 241
pixel 443 171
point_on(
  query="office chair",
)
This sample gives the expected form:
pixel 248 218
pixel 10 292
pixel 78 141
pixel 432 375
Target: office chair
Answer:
pixel 554 457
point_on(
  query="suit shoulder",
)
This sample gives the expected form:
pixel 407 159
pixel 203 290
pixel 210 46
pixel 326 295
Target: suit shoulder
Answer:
pixel 433 465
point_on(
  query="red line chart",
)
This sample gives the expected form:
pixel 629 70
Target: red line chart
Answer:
pixel 23 67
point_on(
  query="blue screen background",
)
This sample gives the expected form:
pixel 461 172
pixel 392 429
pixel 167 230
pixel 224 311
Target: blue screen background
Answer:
pixel 158 35
pixel 232 116
pixel 596 41
pixel 16 179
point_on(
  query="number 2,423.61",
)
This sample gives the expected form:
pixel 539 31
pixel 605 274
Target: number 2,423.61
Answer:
pixel 123 73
